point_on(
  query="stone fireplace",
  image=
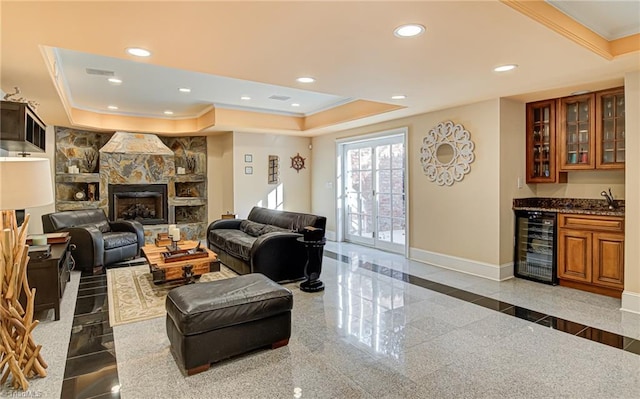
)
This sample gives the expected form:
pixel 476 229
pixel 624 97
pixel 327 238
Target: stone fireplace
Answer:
pixel 135 178
pixel 146 203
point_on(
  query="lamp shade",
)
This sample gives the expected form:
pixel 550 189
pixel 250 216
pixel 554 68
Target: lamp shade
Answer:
pixel 25 183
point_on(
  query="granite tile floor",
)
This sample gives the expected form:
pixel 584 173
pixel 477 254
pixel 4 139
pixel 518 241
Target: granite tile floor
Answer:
pixel 385 327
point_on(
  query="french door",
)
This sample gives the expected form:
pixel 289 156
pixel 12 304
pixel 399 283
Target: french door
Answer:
pixel 374 194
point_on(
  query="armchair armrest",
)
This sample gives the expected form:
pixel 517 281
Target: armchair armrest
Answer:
pixel 279 256
pixel 132 226
pixel 89 245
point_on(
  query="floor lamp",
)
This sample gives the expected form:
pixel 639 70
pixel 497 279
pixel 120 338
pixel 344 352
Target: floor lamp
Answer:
pixel 24 183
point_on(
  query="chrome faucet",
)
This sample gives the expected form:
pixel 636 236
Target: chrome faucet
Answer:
pixel 609 197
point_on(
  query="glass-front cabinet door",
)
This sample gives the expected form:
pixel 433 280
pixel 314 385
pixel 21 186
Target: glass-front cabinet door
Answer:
pixel 577 128
pixel 610 129
pixel 541 140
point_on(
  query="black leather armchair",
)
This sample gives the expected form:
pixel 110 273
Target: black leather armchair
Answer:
pixel 98 241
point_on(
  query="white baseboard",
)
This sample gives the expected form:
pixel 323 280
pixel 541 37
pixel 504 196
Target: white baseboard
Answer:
pixel 330 235
pixel 630 302
pixel 480 269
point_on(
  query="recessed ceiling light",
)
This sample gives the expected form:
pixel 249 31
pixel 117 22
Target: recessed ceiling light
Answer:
pixel 185 90
pixel 113 107
pixel 306 79
pixel 246 98
pixel 168 112
pixel 398 97
pixel 138 52
pixel 115 81
pixel 409 30
pixel 504 68
pixel 295 105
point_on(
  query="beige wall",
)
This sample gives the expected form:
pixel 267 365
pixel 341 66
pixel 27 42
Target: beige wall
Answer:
pixel 461 220
pixel 586 184
pixel 631 295
pixel 220 175
pixel 512 168
pixel 252 190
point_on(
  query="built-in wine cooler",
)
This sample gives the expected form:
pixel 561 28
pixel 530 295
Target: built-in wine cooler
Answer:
pixel 535 246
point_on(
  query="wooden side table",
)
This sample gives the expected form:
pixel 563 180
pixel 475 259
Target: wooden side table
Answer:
pixel 228 216
pixel 49 276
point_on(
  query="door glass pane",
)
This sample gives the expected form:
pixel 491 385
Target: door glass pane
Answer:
pixel 398 231
pixel 367 226
pixel 398 206
pixel 366 181
pixel 384 181
pixel 397 181
pixel 583 111
pixel 620 105
pixel 354 224
pixel 367 203
pixel 365 158
pixel 353 181
pixel 383 157
pixel 572 112
pixel 384 205
pixel 607 107
pixel 353 159
pixel 397 155
pixel 351 201
pixel 384 229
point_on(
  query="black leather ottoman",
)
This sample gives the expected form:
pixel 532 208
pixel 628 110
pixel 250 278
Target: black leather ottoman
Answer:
pixel 212 321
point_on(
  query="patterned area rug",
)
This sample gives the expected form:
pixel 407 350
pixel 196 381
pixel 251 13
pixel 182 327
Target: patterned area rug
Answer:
pixel 134 297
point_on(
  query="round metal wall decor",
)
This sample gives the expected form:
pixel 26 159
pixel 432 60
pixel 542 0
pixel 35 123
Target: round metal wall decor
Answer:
pixel 447 153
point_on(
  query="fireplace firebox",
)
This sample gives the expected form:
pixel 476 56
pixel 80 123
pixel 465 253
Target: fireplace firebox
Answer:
pixel 146 203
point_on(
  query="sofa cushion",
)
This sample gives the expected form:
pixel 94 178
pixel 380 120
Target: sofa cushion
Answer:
pixel 119 239
pixel 235 242
pixel 240 246
pixel 252 228
pixel 270 229
pixel 291 221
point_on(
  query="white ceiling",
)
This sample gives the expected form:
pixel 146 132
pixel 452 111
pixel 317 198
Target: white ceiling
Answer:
pixel 224 50
pixel 610 19
pixel 149 90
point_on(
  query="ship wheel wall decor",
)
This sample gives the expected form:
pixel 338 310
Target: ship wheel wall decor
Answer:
pixel 297 162
pixel 447 153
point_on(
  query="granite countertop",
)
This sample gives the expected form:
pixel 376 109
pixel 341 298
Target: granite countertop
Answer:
pixel 584 206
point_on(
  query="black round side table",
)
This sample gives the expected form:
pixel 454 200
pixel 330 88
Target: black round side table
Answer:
pixel 313 266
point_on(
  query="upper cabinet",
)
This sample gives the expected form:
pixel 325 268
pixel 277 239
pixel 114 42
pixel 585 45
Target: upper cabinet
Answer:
pixel 610 129
pixel 577 128
pixel 591 131
pixel 541 143
pixel 20 128
pixel 583 132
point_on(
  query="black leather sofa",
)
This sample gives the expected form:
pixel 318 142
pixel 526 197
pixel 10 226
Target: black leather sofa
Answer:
pixel 265 242
pixel 99 242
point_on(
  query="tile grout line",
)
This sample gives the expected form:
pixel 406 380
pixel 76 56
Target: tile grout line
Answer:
pixel 518 311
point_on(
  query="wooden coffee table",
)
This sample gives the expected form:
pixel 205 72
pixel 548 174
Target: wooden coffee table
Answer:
pixel 185 270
